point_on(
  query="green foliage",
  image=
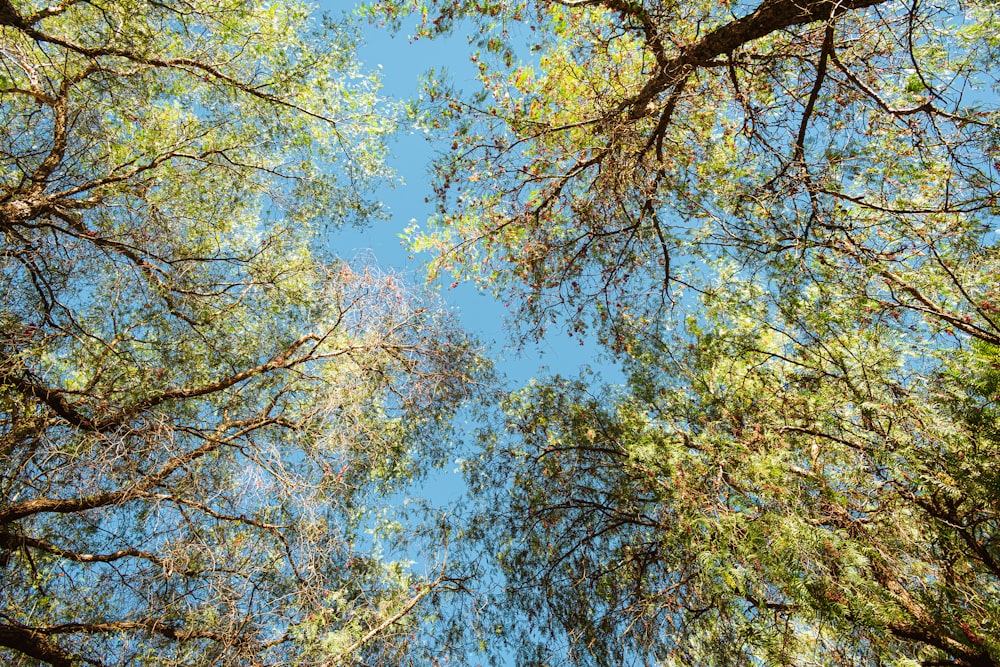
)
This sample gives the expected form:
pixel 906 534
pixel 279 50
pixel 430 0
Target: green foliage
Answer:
pixel 200 407
pixel 781 219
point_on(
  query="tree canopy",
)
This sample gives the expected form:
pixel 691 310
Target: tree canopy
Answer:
pixel 200 405
pixel 781 219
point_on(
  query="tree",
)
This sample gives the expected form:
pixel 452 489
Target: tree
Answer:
pixel 637 124
pixel 200 406
pixel 780 218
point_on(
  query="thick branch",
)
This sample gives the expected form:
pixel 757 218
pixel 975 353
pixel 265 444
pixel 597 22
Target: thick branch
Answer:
pixel 280 361
pixel 12 541
pixel 927 305
pixel 129 493
pixel 191 65
pixel 56 401
pixel 963 655
pixel 53 398
pixel 769 17
pixel 10 17
pixel 32 643
pixel 151 624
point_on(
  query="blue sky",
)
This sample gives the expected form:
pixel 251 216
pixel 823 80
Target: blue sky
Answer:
pixel 400 63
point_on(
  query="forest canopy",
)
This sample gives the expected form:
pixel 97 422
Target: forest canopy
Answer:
pixel 779 219
pixel 201 406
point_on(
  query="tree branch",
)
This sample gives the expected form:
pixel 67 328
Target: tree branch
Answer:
pixel 136 490
pixel 769 17
pixel 32 643
pixel 12 541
